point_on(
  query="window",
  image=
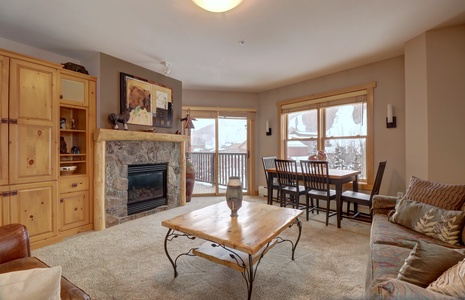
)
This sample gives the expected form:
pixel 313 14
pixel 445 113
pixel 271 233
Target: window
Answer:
pixel 339 122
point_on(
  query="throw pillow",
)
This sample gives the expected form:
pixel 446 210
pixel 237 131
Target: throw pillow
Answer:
pixel 444 225
pixel 451 282
pixel 446 196
pixel 426 262
pixel 38 284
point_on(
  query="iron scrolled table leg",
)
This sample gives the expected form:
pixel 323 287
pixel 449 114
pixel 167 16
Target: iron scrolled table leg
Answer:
pixel 251 278
pixel 167 254
pixel 299 224
pixel 170 235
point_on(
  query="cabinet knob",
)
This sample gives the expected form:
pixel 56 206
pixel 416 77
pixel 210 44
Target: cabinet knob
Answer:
pixel 74 185
pixel 61 200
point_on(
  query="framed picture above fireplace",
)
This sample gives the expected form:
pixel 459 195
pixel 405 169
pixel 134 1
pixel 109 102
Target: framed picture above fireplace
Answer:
pixel 148 102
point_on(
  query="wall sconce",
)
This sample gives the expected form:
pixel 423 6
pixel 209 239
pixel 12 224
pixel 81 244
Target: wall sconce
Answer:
pixel 268 128
pixel 390 119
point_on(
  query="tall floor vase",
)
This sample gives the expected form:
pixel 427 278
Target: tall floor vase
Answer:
pixel 190 179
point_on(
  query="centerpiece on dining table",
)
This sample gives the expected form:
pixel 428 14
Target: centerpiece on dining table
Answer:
pixel 320 155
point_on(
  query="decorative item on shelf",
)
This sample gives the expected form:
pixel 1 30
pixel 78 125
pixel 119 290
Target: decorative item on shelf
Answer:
pixel 320 155
pixel 122 118
pixel 75 67
pixel 67 170
pixel 62 123
pixel 190 170
pixel 234 194
pixel 73 124
pixel 63 146
pixel 190 179
pixel 75 150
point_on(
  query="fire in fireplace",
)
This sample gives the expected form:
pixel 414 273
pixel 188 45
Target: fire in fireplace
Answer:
pixel 146 187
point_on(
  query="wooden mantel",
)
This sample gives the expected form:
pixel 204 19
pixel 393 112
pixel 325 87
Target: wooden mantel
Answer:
pixel 101 136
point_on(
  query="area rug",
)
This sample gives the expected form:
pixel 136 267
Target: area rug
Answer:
pixel 128 261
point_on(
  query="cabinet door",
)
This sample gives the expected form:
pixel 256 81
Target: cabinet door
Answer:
pixel 74 210
pixel 3 120
pixel 33 134
pixel 4 205
pixel 34 205
pixel 74 90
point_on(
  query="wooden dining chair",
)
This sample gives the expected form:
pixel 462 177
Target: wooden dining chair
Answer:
pixel 268 163
pixel 316 182
pixel 358 198
pixel 289 188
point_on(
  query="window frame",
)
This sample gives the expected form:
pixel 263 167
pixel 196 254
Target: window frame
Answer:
pixel 332 96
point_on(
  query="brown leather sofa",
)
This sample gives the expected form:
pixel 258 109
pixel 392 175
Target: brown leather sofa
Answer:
pixel 15 255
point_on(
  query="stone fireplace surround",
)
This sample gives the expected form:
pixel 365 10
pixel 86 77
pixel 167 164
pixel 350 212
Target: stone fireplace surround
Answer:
pixel 114 151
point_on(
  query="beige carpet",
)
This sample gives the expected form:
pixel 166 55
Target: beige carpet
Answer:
pixel 128 262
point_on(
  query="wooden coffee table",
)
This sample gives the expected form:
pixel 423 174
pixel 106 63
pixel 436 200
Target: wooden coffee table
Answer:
pixel 239 242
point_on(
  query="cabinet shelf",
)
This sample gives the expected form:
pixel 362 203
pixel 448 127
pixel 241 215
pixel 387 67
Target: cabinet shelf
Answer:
pixel 72 131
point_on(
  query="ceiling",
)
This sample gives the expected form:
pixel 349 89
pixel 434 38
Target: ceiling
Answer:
pixel 285 41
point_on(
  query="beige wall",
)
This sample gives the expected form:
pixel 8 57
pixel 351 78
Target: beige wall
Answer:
pixel 218 98
pixel 416 110
pixel 389 143
pixel 435 105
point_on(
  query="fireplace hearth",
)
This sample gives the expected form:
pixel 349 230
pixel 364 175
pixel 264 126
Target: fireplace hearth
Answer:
pixel 147 185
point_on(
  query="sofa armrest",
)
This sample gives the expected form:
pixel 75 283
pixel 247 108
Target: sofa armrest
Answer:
pixel 397 289
pixel 14 242
pixel 382 204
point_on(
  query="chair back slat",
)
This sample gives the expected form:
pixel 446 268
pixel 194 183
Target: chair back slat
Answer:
pixel 316 175
pixel 268 163
pixel 287 172
pixel 378 179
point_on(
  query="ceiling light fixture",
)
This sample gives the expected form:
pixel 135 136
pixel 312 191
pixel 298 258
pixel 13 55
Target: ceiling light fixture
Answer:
pixel 217 5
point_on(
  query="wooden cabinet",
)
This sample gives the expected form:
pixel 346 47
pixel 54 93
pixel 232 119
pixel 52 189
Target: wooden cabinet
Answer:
pixel 77 123
pixel 28 171
pixel 32 122
pixel 35 95
pixel 34 205
pixel 4 77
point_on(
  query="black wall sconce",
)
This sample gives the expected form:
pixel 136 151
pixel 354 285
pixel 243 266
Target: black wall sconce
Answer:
pixel 391 121
pixel 268 128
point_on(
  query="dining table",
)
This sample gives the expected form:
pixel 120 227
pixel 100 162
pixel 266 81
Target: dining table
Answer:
pixel 336 177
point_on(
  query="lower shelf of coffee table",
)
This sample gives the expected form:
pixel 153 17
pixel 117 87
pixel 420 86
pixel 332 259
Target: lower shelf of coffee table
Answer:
pixel 222 255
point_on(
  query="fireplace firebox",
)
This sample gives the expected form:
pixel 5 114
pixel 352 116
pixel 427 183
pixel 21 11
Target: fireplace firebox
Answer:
pixel 147 186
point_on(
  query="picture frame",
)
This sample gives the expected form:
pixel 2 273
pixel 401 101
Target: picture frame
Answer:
pixel 148 103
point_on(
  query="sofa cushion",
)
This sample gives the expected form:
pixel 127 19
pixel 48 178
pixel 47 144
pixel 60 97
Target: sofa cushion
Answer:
pixel 69 291
pixel 385 232
pixel 441 224
pixel 446 196
pixel 426 262
pixel 451 282
pixel 386 261
pixel 397 289
pixel 39 283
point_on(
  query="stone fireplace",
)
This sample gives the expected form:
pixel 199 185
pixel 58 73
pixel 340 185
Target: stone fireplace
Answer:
pixel 116 152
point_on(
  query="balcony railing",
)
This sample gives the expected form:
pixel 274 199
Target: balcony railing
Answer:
pixel 229 164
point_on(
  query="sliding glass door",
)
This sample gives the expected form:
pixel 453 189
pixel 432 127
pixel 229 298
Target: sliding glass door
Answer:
pixel 219 149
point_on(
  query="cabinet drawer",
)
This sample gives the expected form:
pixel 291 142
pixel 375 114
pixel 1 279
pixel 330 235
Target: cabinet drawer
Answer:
pixel 74 184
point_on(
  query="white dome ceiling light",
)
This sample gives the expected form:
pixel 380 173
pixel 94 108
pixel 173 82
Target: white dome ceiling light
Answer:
pixel 217 5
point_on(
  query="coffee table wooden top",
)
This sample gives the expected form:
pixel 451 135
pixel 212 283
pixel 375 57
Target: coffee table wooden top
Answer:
pixel 256 225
